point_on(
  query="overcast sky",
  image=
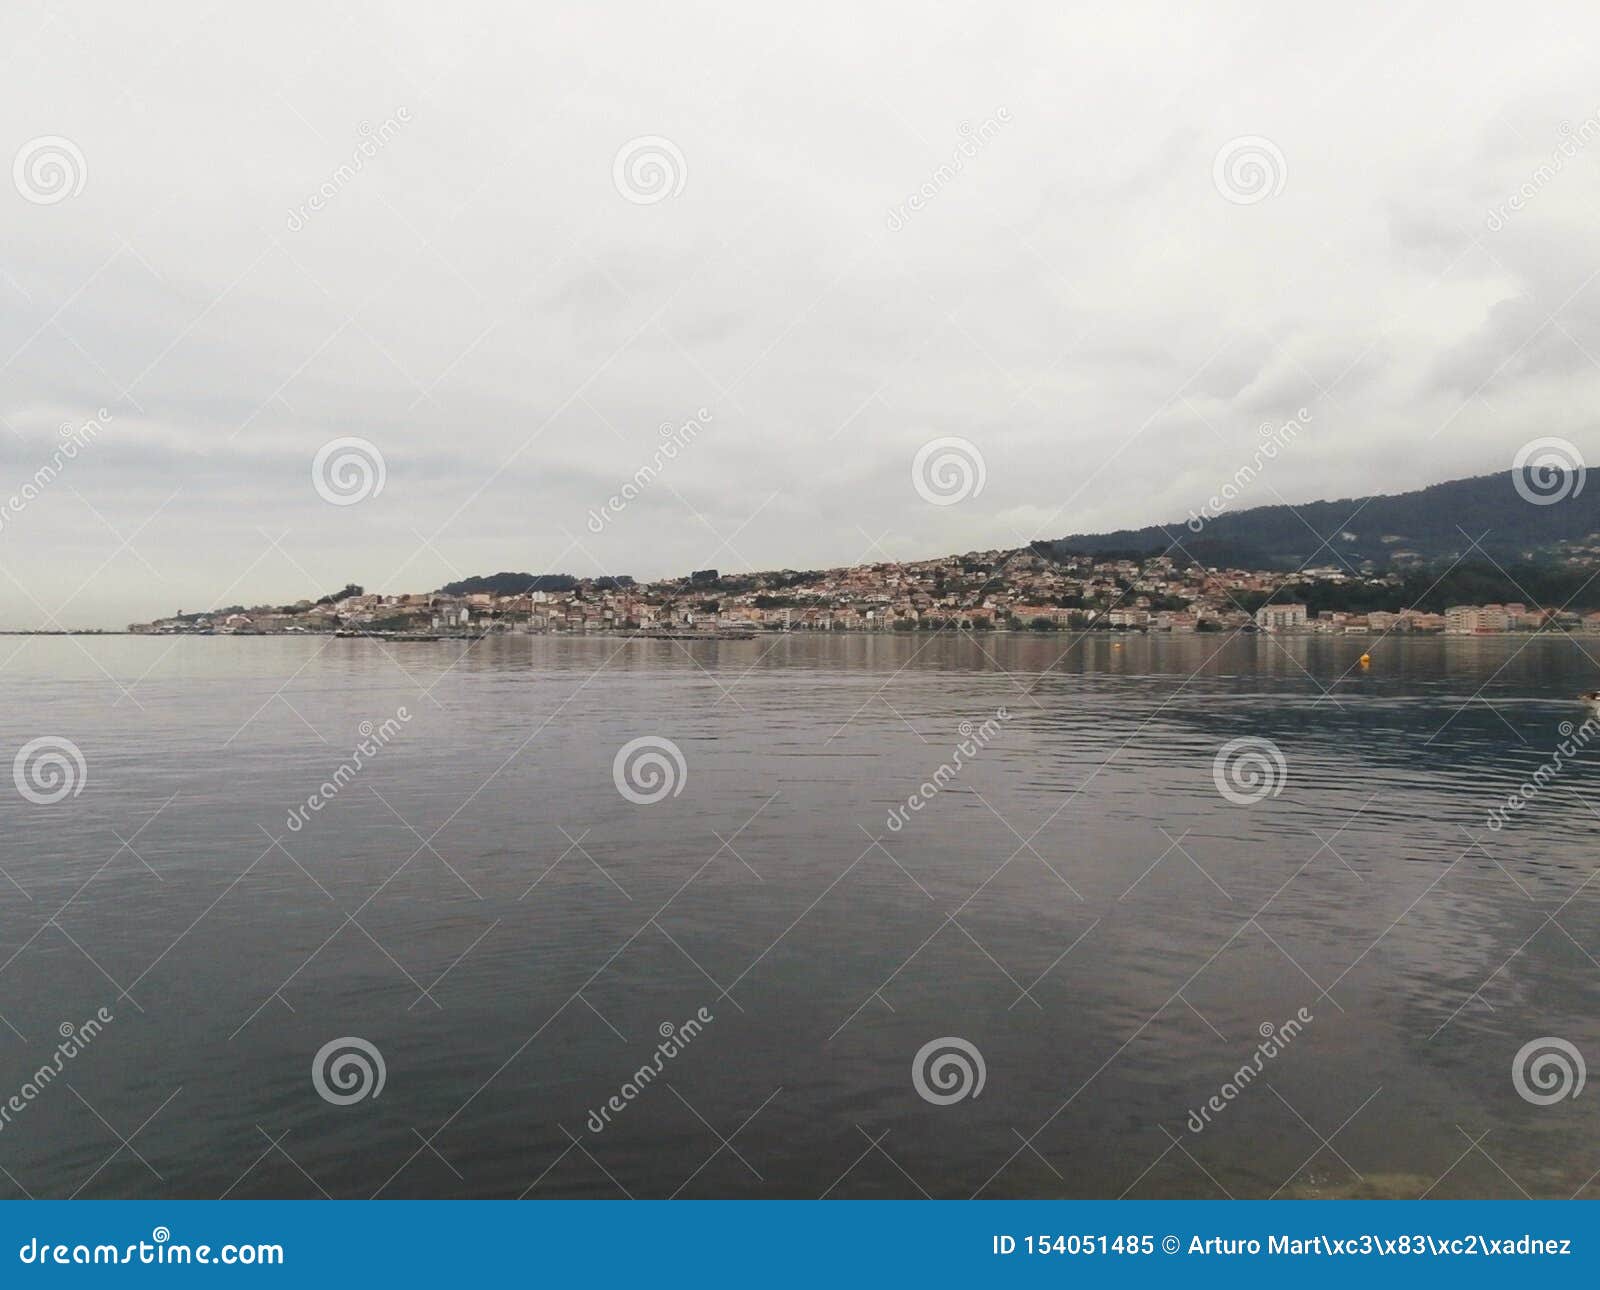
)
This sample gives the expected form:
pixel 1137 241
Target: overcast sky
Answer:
pixel 1168 227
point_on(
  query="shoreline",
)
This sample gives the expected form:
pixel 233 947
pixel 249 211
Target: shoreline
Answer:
pixel 746 636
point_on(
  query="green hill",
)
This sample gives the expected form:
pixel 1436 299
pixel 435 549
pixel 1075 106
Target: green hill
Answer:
pixel 1385 530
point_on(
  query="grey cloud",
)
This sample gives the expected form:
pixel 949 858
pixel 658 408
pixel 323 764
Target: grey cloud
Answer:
pixel 480 302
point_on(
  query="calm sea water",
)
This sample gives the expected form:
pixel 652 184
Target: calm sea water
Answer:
pixel 1077 902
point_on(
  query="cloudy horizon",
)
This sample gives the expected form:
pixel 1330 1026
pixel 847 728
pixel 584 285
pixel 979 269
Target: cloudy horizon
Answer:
pixel 515 254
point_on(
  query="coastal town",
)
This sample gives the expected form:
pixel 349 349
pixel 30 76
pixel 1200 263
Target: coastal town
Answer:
pixel 1025 589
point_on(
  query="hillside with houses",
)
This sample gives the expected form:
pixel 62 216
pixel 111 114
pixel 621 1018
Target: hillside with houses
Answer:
pixel 1031 589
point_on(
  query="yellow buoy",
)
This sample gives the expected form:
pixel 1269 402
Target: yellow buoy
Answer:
pixel 1366 660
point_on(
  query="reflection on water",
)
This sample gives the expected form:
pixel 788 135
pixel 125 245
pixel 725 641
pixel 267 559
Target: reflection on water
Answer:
pixel 1072 897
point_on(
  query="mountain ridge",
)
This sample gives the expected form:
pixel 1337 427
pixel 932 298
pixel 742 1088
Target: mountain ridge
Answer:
pixel 1504 515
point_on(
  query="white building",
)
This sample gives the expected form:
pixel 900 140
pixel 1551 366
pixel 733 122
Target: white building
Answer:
pixel 1281 618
